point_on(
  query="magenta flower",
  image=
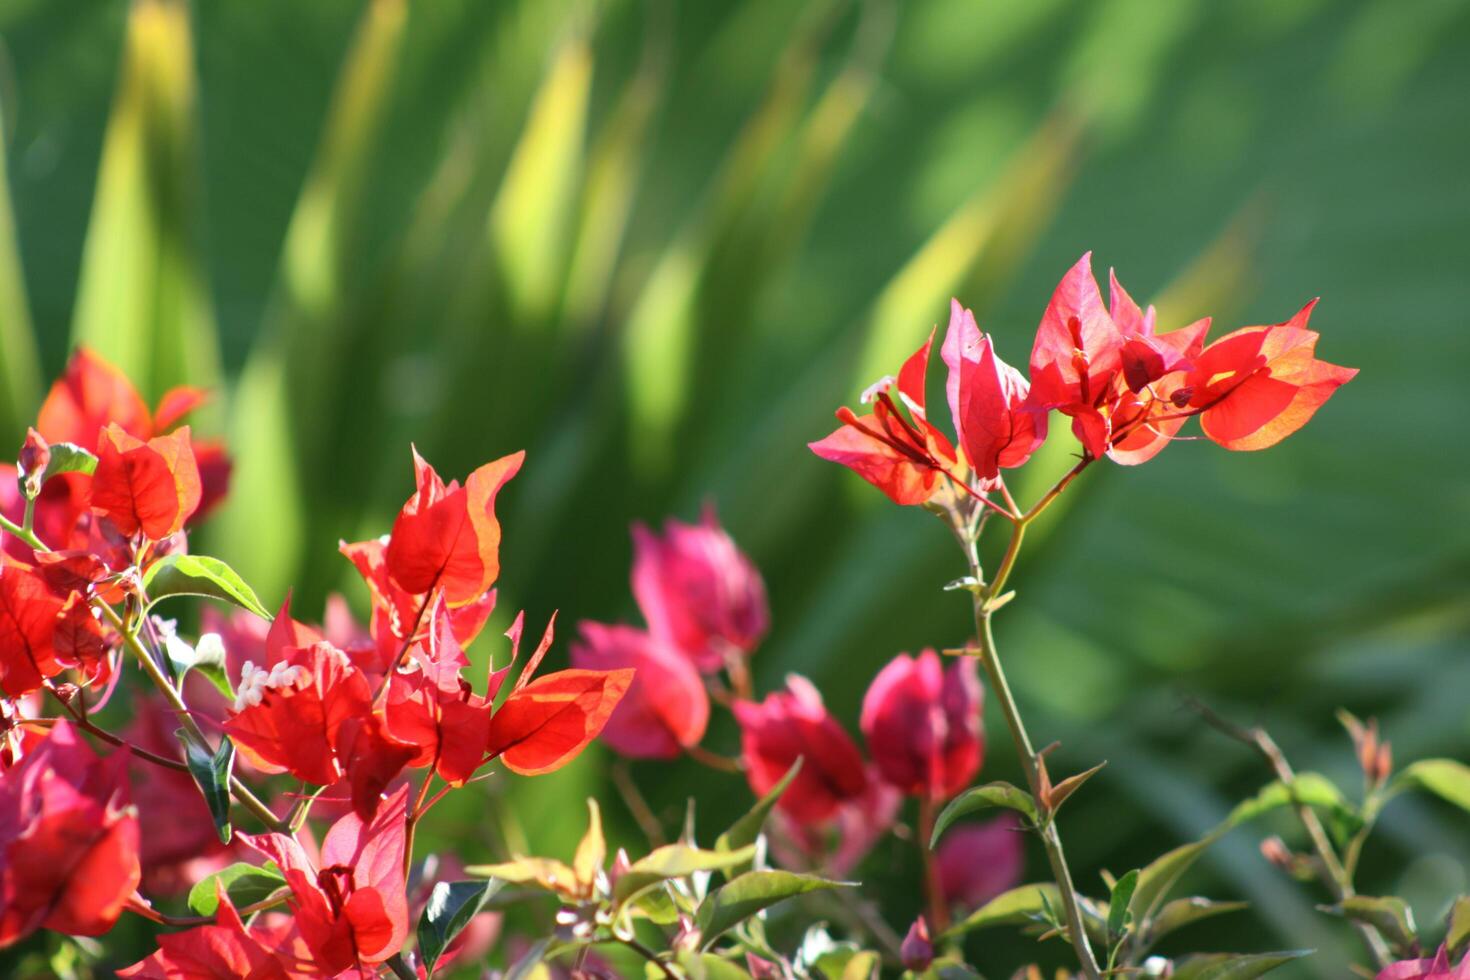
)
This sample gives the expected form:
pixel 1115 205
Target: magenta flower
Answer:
pixel 1437 968
pixel 666 708
pixel 794 724
pixel 979 861
pixel 698 592
pixel 922 724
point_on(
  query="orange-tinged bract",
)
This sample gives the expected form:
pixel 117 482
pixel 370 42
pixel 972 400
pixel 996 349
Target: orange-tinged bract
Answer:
pixel 150 486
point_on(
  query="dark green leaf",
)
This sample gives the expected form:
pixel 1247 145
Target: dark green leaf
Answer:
pixel 1233 966
pixel 246 884
pixel 745 831
pixel 739 899
pixel 674 861
pixel 212 775
pixel 1015 907
pixel 200 575
pixel 1118 904
pixel 1156 878
pixel 452 904
pixel 1183 911
pixel 982 797
pixel 1390 915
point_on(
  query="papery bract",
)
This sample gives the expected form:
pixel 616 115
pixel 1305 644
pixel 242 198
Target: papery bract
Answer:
pixel 398 616
pixel 68 839
pixel 224 950
pixel 905 458
pixel 837 845
pixel 988 400
pixel 665 709
pixel 446 536
pixel 1435 968
pixel 978 861
pixel 1077 353
pixel 922 724
pixel 29 612
pixel 1143 423
pixel 1258 385
pixel 151 486
pixel 351 907
pixel 698 592
pixel 545 724
pixel 91 395
pixel 794 724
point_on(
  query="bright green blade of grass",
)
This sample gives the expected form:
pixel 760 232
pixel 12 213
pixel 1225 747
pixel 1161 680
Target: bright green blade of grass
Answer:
pixel 20 371
pixel 143 300
pixel 288 384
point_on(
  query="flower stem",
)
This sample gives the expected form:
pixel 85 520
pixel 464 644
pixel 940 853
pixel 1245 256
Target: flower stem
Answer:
pixel 938 910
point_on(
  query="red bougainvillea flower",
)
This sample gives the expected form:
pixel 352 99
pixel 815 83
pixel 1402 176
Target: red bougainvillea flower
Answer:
pixel 29 612
pixel 431 706
pixel 979 861
pixel 987 397
pixel 666 708
pixel 1437 968
pixel 68 839
pixel 226 950
pixel 698 591
pixel 1256 386
pixel 151 486
pixel 546 722
pixel 446 537
pixel 794 724
pixel 398 616
pixel 351 907
pixel 838 845
pixel 904 456
pixel 1077 353
pixel 309 711
pixel 93 394
pixel 922 724
pixel 1143 422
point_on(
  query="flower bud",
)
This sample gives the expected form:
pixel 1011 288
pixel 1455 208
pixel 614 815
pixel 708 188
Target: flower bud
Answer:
pixel 1274 849
pixel 35 456
pixel 917 951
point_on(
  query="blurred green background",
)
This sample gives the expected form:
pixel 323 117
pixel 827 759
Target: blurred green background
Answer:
pixel 656 244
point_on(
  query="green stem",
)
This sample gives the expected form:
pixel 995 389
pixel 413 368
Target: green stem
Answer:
pixel 24 533
pixel 1051 840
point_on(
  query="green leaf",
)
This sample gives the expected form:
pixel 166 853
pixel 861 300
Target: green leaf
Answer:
pixel 745 831
pixel 1389 914
pixel 1233 966
pixel 1183 911
pixel 705 966
pixel 1312 789
pixel 674 861
pixel 212 775
pixel 1459 930
pixel 200 575
pixel 68 457
pixel 452 904
pixel 1157 877
pixel 1015 907
pixel 246 884
pixel 739 899
pixel 658 906
pixel 981 797
pixel 1118 917
pixel 1445 778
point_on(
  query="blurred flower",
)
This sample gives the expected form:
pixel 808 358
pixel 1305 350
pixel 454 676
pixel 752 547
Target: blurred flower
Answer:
pixel 978 861
pixel 838 844
pixel 922 724
pixel 794 724
pixel 1437 968
pixel 666 708
pixel 698 592
pixel 917 951
pixel 68 837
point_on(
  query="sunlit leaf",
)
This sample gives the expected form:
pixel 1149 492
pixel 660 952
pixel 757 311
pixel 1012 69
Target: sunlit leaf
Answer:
pixel 739 899
pixel 1015 907
pixel 747 830
pixel 200 575
pixel 674 861
pixel 246 884
pixel 451 906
